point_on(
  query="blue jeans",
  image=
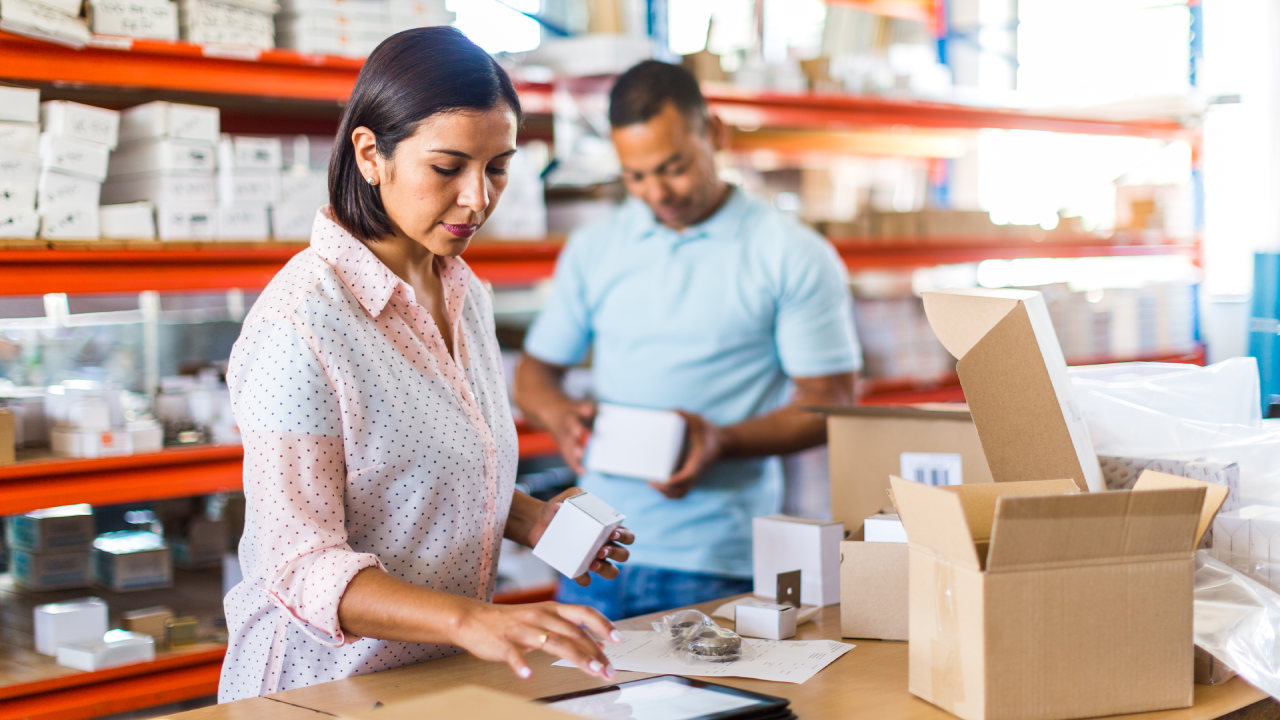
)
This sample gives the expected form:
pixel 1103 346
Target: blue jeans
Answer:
pixel 640 590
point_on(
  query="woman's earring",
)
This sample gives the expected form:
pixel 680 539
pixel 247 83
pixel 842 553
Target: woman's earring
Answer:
pixel 370 179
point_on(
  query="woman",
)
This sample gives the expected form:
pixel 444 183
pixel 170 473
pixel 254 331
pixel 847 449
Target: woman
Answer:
pixel 380 452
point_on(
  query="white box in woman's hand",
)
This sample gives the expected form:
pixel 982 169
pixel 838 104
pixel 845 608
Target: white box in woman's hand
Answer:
pixel 580 528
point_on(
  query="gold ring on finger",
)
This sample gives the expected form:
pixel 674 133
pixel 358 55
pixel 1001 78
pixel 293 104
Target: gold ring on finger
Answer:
pixel 542 641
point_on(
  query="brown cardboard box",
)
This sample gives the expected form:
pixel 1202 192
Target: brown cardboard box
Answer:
pixel 873 590
pixel 1031 600
pixel 7 452
pixel 469 701
pixel 865 446
pixel 1015 382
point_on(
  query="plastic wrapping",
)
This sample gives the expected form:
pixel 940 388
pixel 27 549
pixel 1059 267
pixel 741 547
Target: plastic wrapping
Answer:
pixel 1237 616
pixel 694 637
pixel 1224 393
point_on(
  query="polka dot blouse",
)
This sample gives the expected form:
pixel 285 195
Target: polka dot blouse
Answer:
pixel 366 444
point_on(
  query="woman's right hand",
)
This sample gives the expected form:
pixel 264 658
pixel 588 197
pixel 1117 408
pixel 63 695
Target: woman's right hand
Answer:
pixel 504 633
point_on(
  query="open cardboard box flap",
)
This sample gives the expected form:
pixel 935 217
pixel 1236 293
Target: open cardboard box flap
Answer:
pixel 1049 523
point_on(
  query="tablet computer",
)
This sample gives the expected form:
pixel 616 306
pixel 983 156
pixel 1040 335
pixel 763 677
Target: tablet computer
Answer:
pixel 670 697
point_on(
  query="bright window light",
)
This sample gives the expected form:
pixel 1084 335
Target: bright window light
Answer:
pixel 687 24
pixel 496 26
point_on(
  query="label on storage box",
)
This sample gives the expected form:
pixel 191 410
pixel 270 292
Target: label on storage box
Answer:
pixel 932 468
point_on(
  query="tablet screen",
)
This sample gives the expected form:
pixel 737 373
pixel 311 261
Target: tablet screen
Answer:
pixel 658 700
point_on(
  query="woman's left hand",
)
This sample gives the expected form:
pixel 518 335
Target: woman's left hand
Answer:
pixel 612 552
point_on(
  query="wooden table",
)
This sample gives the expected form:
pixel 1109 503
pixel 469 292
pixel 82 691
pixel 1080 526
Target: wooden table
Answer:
pixel 869 681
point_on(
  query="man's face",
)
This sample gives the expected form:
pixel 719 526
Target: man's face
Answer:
pixel 669 163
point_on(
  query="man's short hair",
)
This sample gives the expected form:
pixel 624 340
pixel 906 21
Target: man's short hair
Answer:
pixel 643 91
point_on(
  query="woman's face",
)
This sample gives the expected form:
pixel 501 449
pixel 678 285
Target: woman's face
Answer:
pixel 444 181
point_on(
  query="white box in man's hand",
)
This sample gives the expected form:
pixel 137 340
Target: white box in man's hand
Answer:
pixel 635 442
pixel 580 528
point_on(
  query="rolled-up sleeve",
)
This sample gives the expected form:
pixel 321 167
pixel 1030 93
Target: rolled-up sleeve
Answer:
pixel 294 474
pixel 815 331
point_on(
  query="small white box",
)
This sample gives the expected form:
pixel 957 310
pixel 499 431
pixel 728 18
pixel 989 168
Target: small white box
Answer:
pixel 130 560
pixel 70 223
pixel 129 221
pixel 635 442
pixel 57 189
pixel 781 543
pixel 23 137
pixel 70 622
pixel 77 157
pixel 292 222
pixel 41 572
pixel 243 222
pixel 161 189
pixel 154 20
pixel 16 197
pixel 146 436
pixel 56 529
pixel 66 7
pixel 19 105
pixel 170 120
pixel 112 649
pixel 580 528
pixel 1264 537
pixel 38 20
pixel 72 442
pixel 18 166
pixel 243 152
pixel 767 620
pixel 311 188
pixel 163 155
pixel 187 222
pixel 248 186
pixel 884 527
pixel 19 224
pixel 96 125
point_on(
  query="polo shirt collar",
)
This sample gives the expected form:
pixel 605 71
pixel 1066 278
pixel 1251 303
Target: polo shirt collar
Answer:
pixel 725 222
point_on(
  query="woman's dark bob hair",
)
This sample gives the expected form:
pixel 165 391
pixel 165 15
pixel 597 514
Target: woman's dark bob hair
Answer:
pixel 411 76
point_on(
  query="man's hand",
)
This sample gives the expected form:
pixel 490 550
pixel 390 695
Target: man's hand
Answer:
pixel 612 549
pixel 704 444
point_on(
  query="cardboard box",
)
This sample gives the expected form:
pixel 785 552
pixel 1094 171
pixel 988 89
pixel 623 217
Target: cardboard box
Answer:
pixel 17 196
pixel 635 442
pixel 580 528
pixel 74 157
pixel 243 221
pixel 1016 385
pixel 181 631
pixel 41 572
pixel 23 137
pixel 64 623
pixel 19 105
pixel 113 649
pixel 292 222
pixel 873 590
pixel 131 560
pixel 866 445
pixel 57 529
pixel 96 125
pixel 780 543
pixel 248 187
pixel 8 437
pixel 1032 600
pixel 128 221
pixel 163 155
pixel 19 224
pixel 129 18
pixel 148 621
pixel 767 620
pixel 161 188
pixel 161 119
pixel 56 189
pixel 187 222
pixel 244 152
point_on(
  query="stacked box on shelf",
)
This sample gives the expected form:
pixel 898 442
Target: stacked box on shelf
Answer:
pixel 229 22
pixel 167 157
pixel 19 162
pixel 75 142
pixel 407 14
pixel 248 183
pixel 153 19
pixel 56 21
pixel 304 188
pixel 897 341
pixel 352 28
pixel 49 549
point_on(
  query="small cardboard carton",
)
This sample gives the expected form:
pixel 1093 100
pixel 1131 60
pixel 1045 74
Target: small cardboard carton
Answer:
pixel 1031 600
pixel 873 590
pixel 867 444
pixel 1015 382
pixel 8 441
pixel 781 543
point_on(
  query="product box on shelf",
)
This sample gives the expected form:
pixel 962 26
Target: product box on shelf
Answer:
pixel 635 442
pixel 19 166
pixel 319 21
pixel 148 621
pixel 19 105
pixel 781 543
pixel 201 544
pixel 154 19
pixel 160 188
pixel 42 572
pixel 82 443
pixel 236 187
pixel 23 137
pixel 1023 594
pixel 247 152
pixel 873 590
pixel 82 122
pixel 64 623
pixel 292 222
pixel 868 444
pixel 196 221
pixel 176 121
pixel 17 196
pixel 161 155
pixel 128 221
pixel 131 560
pixel 75 157
pixel 344 43
pixel 1015 382
pixel 113 649
pixel 8 437
pixel 70 223
pixel 44 22
pixel 243 222
pixel 310 187
pixel 56 529
pixel 209 21
pixel 55 189
pixel 577 532
pixel 145 436
pixel 19 224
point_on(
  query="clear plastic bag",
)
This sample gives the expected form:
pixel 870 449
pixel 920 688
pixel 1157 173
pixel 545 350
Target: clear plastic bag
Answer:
pixel 1224 393
pixel 694 637
pixel 1237 616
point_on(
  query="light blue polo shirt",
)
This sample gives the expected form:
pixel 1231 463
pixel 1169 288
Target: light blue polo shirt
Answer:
pixel 713 320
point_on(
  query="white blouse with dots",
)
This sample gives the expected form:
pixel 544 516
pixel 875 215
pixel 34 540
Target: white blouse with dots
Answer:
pixel 365 445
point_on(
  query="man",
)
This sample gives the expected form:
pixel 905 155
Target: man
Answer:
pixel 696 298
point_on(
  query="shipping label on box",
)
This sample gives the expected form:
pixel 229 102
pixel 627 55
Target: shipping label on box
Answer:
pixel 128 18
pixel 19 105
pixel 171 120
pixel 50 571
pixel 76 157
pixel 933 468
pixel 96 125
pixel 780 543
pixel 873 590
pixel 22 137
pixel 57 189
pixel 58 529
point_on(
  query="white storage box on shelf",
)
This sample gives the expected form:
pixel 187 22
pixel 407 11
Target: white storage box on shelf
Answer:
pixel 292 222
pixel 72 156
pixel 87 123
pixel 69 622
pixel 130 560
pixel 81 443
pixel 128 221
pixel 56 529
pixel 59 189
pixel 163 155
pixel 19 166
pixel 112 649
pixel 237 187
pixel 577 532
pixel 243 222
pixel 226 23
pixel 195 123
pixel 19 105
pixel 151 19
pixel 197 221
pixel 19 224
pixel 43 572
pixel 23 137
pixel 38 20
pixel 17 197
pixel 161 188
pixel 70 223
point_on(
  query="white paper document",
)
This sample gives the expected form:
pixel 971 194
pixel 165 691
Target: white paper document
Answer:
pixel 793 661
